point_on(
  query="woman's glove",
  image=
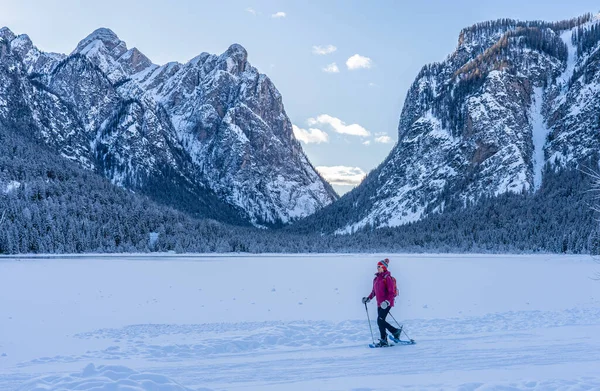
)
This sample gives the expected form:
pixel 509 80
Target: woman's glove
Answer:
pixel 385 304
pixel 365 300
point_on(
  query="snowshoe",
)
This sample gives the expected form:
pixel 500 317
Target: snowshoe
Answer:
pixel 382 343
pixel 401 341
pixel 397 334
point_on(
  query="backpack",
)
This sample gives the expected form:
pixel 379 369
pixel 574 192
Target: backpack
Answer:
pixel 396 292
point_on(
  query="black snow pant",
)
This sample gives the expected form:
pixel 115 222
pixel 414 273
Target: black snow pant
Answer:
pixel 383 325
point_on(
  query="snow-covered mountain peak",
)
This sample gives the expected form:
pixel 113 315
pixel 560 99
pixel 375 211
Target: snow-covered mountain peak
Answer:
pixel 104 48
pixel 108 38
pixel 35 61
pixel 7 34
pixel 238 51
pixel 198 60
pixel 134 61
pixel 235 58
pixel 21 43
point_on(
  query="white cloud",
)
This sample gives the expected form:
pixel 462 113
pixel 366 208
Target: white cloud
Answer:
pixel 342 175
pixel 279 14
pixel 339 126
pixel 373 85
pixel 251 10
pixel 312 135
pixel 357 62
pixel 331 68
pixel 383 139
pixel 368 142
pixel 322 50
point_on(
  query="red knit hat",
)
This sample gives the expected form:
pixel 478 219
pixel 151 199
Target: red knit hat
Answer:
pixel 384 263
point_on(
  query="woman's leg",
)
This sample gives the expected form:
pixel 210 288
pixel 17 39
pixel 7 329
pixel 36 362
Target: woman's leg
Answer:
pixel 381 315
pixel 382 323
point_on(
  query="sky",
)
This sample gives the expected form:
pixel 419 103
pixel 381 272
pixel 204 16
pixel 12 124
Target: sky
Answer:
pixel 342 67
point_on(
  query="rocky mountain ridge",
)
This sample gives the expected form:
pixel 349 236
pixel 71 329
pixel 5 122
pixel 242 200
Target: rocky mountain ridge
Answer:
pixel 514 100
pixel 210 136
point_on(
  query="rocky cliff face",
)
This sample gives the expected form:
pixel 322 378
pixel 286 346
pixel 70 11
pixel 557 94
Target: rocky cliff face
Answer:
pixel 514 99
pixel 212 131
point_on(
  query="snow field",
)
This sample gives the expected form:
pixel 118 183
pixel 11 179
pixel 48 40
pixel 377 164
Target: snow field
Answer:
pixel 295 322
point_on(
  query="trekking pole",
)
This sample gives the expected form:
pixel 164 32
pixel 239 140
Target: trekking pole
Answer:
pixel 370 328
pixel 390 314
pixel 401 327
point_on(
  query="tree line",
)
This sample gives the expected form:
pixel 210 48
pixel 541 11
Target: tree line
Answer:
pixel 62 208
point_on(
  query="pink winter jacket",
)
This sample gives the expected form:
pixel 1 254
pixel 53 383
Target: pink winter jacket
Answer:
pixel 383 288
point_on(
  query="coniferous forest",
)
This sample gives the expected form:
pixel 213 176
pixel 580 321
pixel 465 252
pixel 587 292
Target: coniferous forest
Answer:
pixel 61 208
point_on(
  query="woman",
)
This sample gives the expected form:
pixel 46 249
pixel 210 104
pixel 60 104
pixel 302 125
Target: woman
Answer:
pixel 384 292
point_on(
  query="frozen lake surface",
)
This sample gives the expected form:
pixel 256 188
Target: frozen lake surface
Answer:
pixel 296 322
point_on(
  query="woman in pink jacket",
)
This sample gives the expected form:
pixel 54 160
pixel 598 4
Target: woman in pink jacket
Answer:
pixel 383 291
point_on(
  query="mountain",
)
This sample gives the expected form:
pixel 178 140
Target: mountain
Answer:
pixel 50 204
pixel 210 136
pixel 514 103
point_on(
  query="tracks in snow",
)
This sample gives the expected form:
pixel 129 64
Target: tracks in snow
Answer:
pixel 218 354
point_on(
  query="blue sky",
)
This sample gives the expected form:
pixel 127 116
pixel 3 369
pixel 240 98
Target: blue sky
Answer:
pixel 346 114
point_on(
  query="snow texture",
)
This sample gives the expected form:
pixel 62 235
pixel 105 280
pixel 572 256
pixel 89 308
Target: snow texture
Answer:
pixel 105 377
pixel 10 186
pixel 571 59
pixel 296 322
pixel 539 133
